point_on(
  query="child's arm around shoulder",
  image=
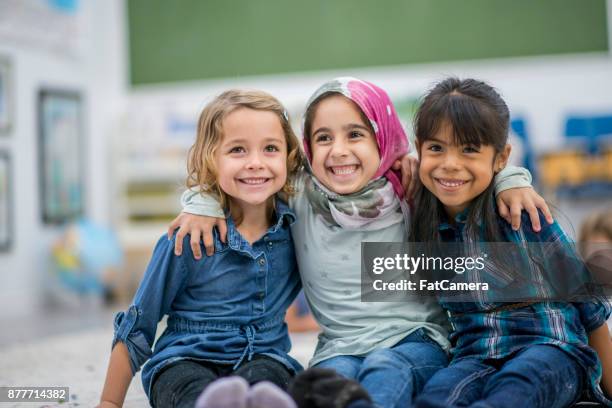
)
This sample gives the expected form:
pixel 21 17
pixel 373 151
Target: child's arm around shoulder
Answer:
pixel 514 193
pixel 201 213
pixel 135 329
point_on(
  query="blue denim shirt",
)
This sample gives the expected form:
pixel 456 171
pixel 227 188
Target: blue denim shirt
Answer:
pixel 222 309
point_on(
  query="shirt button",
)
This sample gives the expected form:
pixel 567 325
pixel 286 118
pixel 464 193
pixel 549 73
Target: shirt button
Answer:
pixel 261 295
pixel 262 261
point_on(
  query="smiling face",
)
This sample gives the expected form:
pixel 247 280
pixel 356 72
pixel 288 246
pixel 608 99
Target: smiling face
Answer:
pixel 251 159
pixel 344 150
pixel 457 174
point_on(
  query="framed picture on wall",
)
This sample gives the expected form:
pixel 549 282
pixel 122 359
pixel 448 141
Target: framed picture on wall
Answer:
pixel 6 95
pixel 61 150
pixel 6 218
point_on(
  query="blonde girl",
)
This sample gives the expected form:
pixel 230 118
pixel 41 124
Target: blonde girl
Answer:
pixel 245 154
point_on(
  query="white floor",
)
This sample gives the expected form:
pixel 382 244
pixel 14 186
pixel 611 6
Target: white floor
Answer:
pixel 79 361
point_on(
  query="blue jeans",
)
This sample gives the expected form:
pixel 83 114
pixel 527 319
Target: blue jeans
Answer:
pixel 393 376
pixel 538 376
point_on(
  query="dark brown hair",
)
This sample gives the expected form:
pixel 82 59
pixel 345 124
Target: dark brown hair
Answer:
pixel 477 115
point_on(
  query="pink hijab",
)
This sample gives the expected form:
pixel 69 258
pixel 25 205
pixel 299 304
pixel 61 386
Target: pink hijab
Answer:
pixel 378 108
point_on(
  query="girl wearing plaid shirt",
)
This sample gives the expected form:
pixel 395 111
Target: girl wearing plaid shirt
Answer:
pixel 533 354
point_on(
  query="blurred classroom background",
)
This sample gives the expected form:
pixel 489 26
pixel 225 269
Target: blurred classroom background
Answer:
pixel 99 102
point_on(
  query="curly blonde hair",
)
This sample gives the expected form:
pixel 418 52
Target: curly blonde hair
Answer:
pixel 201 164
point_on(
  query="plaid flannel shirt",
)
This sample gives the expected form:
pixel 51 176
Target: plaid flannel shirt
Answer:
pixel 483 332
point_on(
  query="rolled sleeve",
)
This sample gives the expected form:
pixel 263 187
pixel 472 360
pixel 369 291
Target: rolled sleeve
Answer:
pixel 197 203
pixel 164 279
pixel 594 314
pixel 138 348
pixel 512 177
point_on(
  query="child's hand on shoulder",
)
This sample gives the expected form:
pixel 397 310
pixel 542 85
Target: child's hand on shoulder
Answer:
pixel 409 167
pixel 513 201
pixel 199 227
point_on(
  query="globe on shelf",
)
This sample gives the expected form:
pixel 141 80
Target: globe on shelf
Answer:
pixel 86 258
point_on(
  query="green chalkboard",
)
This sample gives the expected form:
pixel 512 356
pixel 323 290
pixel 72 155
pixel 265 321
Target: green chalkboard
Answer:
pixel 201 39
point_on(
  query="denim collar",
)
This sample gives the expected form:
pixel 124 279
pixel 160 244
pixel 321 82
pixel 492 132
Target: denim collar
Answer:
pixel 235 241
